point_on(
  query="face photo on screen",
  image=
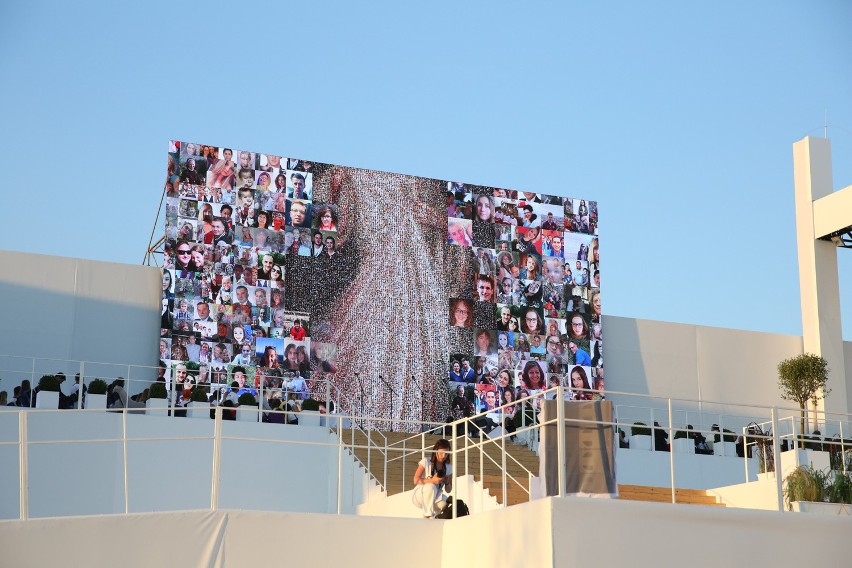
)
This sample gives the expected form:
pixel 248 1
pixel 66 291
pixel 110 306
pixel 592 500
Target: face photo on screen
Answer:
pixel 484 343
pixel 269 352
pixel 279 185
pixel 505 340
pixel 299 185
pixel 505 293
pixel 504 315
pixel 298 213
pixel 529 240
pixel 504 235
pixel 527 216
pixel 532 375
pixel 484 289
pixel 506 193
pixel 552 217
pixel 505 211
pixel 579 383
pixel 486 398
pixel 461 312
pixel 268 162
pixel 531 293
pixel 554 327
pixel 532 322
pixel 263 181
pixel 530 266
pixel 508 359
pixel 460 232
pixel 325 217
pixel 459 202
pixel 522 344
pixel 483 209
pixel 507 262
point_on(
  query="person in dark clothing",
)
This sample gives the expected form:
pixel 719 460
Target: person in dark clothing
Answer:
pixel 661 438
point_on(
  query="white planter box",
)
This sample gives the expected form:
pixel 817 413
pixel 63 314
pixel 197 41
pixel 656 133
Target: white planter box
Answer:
pixel 47 400
pixel 97 401
pixel 640 443
pixel 157 406
pixel 309 418
pixel 835 509
pixel 728 449
pixel 198 410
pixel 247 413
pixel 683 446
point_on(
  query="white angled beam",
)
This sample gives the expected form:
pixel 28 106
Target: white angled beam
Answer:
pixel 818 281
pixel 833 212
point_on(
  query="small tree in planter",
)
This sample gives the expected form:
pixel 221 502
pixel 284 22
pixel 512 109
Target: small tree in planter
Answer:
pixel 48 383
pixel 48 392
pixel 640 429
pixel 801 379
pixel 156 390
pixel 198 395
pixel 725 436
pixel 640 436
pixel 682 443
pixel 247 415
pixel 840 490
pixel 157 402
pixel 309 416
pixel 198 398
pixel 96 394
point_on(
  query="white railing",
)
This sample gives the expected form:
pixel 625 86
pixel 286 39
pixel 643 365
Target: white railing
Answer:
pixel 777 426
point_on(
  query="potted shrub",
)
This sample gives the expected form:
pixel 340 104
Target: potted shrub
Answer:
pixel 245 412
pixel 725 444
pixel 801 379
pixel 96 394
pixel 682 443
pixel 48 392
pixel 840 489
pixel 158 400
pixel 309 415
pixel 199 404
pixel 809 490
pixel 640 437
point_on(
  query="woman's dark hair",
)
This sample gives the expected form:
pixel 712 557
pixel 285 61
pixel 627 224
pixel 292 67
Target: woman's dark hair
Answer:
pixel 441 444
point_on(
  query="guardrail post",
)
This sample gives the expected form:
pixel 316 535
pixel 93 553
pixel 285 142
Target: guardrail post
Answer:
pixel 339 462
pixel 671 452
pixel 124 441
pixel 82 385
pixel 24 466
pixel 560 439
pixel 217 458
pixel 454 450
pixel 776 453
pixel 503 451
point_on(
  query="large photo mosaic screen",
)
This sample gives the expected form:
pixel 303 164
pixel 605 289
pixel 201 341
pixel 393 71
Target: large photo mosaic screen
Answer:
pixel 417 298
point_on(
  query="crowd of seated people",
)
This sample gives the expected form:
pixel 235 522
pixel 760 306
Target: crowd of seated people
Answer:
pixel 279 405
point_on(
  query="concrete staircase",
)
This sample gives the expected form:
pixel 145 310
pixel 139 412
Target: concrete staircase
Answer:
pixel 399 477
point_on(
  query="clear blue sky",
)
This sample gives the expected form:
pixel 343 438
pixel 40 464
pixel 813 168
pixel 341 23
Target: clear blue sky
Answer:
pixel 677 117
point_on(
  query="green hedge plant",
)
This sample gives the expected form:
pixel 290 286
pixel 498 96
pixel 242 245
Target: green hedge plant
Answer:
pixel 157 390
pixel 97 386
